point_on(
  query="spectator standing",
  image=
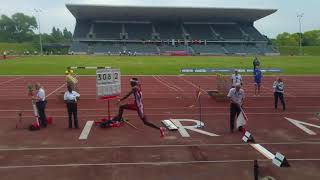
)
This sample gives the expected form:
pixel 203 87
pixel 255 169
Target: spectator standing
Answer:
pixel 40 98
pixel 4 55
pixel 278 89
pixel 257 80
pixel 71 98
pixel 70 79
pixel 236 96
pixel 236 78
pixel 256 62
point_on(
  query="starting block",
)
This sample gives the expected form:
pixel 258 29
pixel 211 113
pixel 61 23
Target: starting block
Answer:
pixel 169 125
pixel 280 160
pixel 247 137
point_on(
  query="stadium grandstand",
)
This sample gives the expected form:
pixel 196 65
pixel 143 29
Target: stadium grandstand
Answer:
pixel 168 30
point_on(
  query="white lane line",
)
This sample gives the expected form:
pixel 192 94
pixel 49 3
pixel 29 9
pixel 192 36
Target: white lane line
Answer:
pixel 161 108
pixel 10 80
pixel 263 151
pixel 192 84
pixel 86 130
pixel 56 90
pixel 145 163
pixel 300 124
pixel 175 114
pixel 151 95
pixel 170 83
pixel 130 164
pixel 153 146
pixel 268 89
pixel 302 159
pixel 165 84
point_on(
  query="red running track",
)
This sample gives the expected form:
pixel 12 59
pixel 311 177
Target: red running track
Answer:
pixel 123 153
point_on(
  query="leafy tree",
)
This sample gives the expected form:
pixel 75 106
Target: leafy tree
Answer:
pixel 312 38
pixel 18 28
pixel 287 39
pixel 67 34
pixel 309 38
pixel 59 36
pixel 7 28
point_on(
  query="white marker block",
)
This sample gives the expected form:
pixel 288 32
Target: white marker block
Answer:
pixel 86 130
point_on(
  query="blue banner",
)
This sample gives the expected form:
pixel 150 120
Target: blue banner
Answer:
pixel 222 70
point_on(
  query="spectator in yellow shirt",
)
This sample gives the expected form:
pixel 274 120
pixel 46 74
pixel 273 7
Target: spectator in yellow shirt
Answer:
pixel 69 71
pixel 71 81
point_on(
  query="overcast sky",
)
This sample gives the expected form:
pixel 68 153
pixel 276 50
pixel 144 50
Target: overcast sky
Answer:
pixel 54 12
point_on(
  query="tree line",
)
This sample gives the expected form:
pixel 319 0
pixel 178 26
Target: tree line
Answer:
pixel 309 38
pixel 21 28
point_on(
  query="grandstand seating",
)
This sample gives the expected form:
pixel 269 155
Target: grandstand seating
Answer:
pixel 252 49
pixel 208 49
pixel 249 49
pixel 199 31
pixel 235 48
pixel 82 29
pixel 138 31
pixel 228 31
pixel 169 48
pixel 78 47
pixel 106 48
pixel 151 30
pixel 107 30
pixel 169 31
pixel 141 48
pixel 266 48
pixel 253 33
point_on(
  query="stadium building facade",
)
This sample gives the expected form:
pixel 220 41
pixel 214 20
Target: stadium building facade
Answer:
pixel 168 30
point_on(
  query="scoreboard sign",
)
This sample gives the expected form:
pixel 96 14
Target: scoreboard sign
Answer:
pixel 108 82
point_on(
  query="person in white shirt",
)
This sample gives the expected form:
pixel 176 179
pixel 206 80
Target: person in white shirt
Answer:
pixel 236 78
pixel 236 96
pixel 40 98
pixel 4 54
pixel 278 89
pixel 71 98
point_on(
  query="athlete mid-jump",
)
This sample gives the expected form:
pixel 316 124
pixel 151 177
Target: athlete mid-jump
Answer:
pixel 137 105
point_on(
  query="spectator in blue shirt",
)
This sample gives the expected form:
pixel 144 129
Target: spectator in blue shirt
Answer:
pixel 257 80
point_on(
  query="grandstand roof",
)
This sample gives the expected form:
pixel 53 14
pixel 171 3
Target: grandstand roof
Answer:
pixel 148 13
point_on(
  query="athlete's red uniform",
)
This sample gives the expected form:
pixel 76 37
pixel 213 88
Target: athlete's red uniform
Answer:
pixel 138 104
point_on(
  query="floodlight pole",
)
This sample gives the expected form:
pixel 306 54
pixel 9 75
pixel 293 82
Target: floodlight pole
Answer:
pixel 300 16
pixel 38 11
